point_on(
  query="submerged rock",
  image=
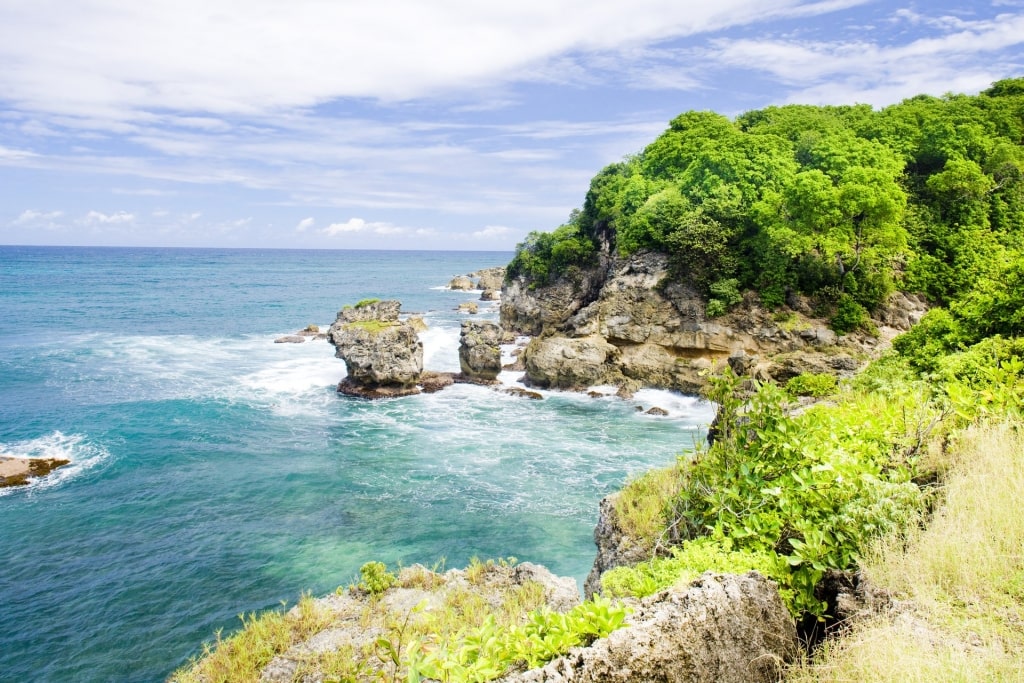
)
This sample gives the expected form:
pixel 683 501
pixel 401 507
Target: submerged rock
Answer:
pixel 719 629
pixel 383 355
pixel 290 339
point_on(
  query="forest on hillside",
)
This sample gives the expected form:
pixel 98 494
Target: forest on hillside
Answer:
pixel 841 203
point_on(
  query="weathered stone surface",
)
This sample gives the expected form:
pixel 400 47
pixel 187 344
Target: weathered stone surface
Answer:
pixel 615 548
pixel 655 410
pixel 662 336
pixel 524 393
pixel 19 471
pixel 480 350
pixel 290 339
pixel 383 355
pixel 470 307
pixel 719 629
pixel 461 283
pixel 490 278
pixel 432 382
pixel 564 363
pixel 490 295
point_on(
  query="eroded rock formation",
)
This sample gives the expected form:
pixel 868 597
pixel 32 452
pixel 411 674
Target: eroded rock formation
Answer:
pixel 615 548
pixel 480 350
pixel 619 322
pixel 383 355
pixel 719 629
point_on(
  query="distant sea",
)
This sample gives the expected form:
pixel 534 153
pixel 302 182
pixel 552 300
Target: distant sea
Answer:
pixel 215 472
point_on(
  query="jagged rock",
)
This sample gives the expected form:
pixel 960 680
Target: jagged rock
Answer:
pixel 480 350
pixel 383 355
pixel 524 393
pixel 661 335
pixel 18 471
pixel 310 331
pixel 290 339
pixel 461 282
pixel 490 295
pixel 470 307
pixel 615 547
pixel 432 382
pixel 655 410
pixel 417 323
pixel 490 278
pixel 719 629
pixel 563 363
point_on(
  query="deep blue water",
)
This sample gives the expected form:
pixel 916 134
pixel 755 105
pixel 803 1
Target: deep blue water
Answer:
pixel 215 472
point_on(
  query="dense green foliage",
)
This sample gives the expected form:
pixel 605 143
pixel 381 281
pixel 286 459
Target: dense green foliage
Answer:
pixel 840 203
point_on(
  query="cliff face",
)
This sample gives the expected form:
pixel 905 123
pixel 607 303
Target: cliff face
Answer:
pixel 620 323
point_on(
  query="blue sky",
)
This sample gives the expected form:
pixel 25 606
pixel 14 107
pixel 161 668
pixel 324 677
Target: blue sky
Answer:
pixel 413 124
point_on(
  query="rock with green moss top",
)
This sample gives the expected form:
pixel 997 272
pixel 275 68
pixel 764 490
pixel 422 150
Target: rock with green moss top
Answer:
pixel 383 355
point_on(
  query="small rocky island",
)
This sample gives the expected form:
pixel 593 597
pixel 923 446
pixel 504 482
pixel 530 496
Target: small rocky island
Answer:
pixel 20 471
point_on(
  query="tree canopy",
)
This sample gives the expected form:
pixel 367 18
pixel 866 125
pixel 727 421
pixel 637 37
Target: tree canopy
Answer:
pixel 842 204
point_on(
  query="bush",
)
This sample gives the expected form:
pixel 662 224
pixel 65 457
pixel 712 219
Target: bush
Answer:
pixel 849 316
pixel 811 384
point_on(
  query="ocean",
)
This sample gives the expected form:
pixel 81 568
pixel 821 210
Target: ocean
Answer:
pixel 216 473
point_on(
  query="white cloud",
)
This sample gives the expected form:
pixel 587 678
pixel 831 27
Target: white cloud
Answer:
pixel 8 154
pixel 99 218
pixel 305 224
pixel 119 57
pixel 492 231
pixel 33 217
pixel 354 225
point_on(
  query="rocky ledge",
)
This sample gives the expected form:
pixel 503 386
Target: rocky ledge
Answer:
pixel 19 471
pixel 620 323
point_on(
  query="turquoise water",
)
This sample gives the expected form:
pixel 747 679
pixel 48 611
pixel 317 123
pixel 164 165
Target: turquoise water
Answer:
pixel 215 472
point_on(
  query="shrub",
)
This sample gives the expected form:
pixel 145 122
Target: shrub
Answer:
pixel 376 578
pixel 812 384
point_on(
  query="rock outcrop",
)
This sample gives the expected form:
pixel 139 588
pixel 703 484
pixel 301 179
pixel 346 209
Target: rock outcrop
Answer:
pixel 480 350
pixel 619 322
pixel 383 355
pixel 719 629
pixel 490 278
pixel 461 283
pixel 20 471
pixel 615 548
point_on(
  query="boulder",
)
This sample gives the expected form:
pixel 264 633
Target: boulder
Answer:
pixel 470 307
pixel 290 339
pixel 568 363
pixel 461 283
pixel 490 295
pixel 383 355
pixel 719 629
pixel 432 382
pixel 480 350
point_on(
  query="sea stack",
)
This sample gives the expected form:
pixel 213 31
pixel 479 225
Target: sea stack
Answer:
pixel 383 354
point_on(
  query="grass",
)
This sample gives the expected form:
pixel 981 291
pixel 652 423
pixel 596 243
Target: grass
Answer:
pixel 640 505
pixel 959 579
pixel 240 657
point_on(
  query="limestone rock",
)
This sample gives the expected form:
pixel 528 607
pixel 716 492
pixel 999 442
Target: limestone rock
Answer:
pixel 290 339
pixel 480 350
pixel 615 548
pixel 719 629
pixel 383 355
pixel 18 471
pixel 564 363
pixel 461 283
pixel 490 295
pixel 432 382
pixel 490 278
pixel 470 307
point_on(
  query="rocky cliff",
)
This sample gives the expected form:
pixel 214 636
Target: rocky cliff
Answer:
pixel 626 322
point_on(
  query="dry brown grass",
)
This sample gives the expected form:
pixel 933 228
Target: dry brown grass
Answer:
pixel 959 580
